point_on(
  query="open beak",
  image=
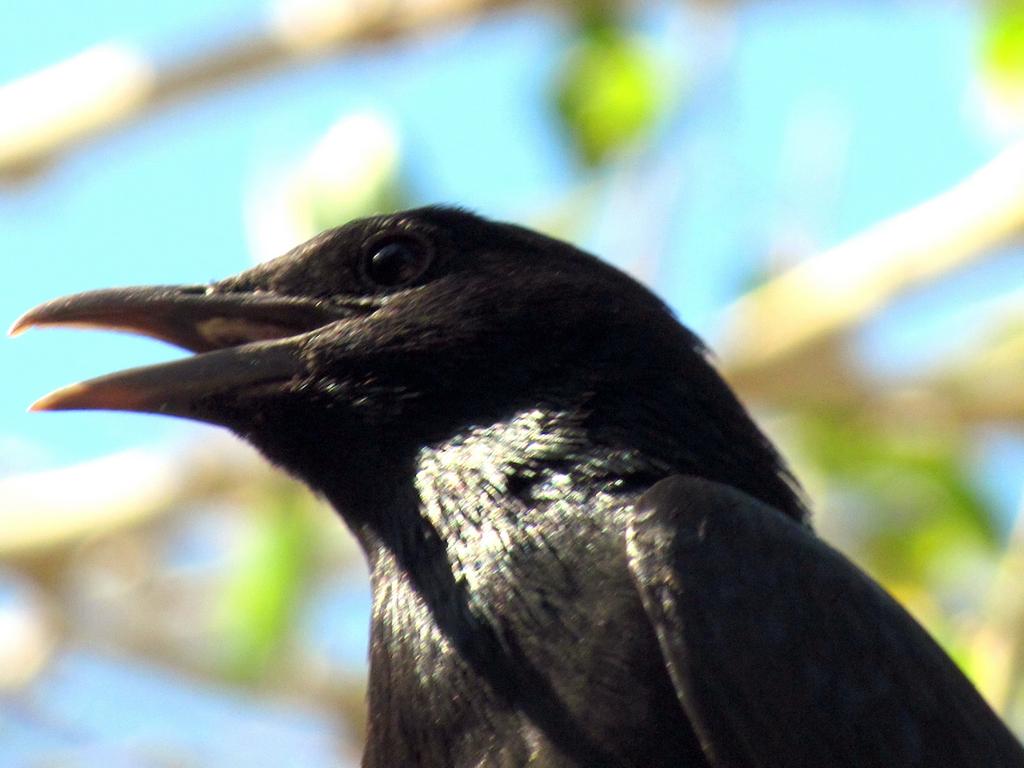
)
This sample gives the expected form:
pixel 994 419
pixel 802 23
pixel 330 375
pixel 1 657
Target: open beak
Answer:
pixel 243 340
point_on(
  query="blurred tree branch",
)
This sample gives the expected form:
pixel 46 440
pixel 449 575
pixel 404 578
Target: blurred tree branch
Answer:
pixel 50 511
pixel 786 339
pixel 55 109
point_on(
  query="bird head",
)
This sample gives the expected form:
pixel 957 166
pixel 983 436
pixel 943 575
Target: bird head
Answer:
pixel 346 355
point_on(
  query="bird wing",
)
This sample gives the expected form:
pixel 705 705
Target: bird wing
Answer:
pixel 783 653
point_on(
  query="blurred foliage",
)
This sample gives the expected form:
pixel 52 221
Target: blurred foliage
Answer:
pixel 353 171
pixel 911 513
pixel 1003 43
pixel 607 94
pixel 266 584
pixel 921 500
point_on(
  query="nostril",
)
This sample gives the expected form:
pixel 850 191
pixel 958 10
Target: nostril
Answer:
pixel 194 290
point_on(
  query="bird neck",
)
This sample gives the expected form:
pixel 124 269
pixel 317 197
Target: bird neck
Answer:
pixel 538 456
pixel 478 486
pixel 565 451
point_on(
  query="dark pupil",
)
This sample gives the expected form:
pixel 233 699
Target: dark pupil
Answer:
pixel 394 264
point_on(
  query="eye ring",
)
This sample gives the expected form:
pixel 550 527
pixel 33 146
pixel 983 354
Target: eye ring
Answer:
pixel 396 261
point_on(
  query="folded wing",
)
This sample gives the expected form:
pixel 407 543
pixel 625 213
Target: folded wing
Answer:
pixel 783 653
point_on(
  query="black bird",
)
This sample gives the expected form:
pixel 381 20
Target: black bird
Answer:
pixel 582 550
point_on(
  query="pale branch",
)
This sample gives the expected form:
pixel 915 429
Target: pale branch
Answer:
pixel 108 86
pixel 985 381
pixel 776 331
pixel 50 511
pixel 62 506
pixel 978 384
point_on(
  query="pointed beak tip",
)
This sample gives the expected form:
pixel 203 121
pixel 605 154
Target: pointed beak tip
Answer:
pixel 58 400
pixel 19 326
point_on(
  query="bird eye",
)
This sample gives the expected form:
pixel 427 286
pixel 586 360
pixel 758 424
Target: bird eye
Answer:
pixel 397 262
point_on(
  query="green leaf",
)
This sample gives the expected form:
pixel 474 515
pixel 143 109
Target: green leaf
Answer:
pixel 607 95
pixel 264 588
pixel 918 508
pixel 1003 43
